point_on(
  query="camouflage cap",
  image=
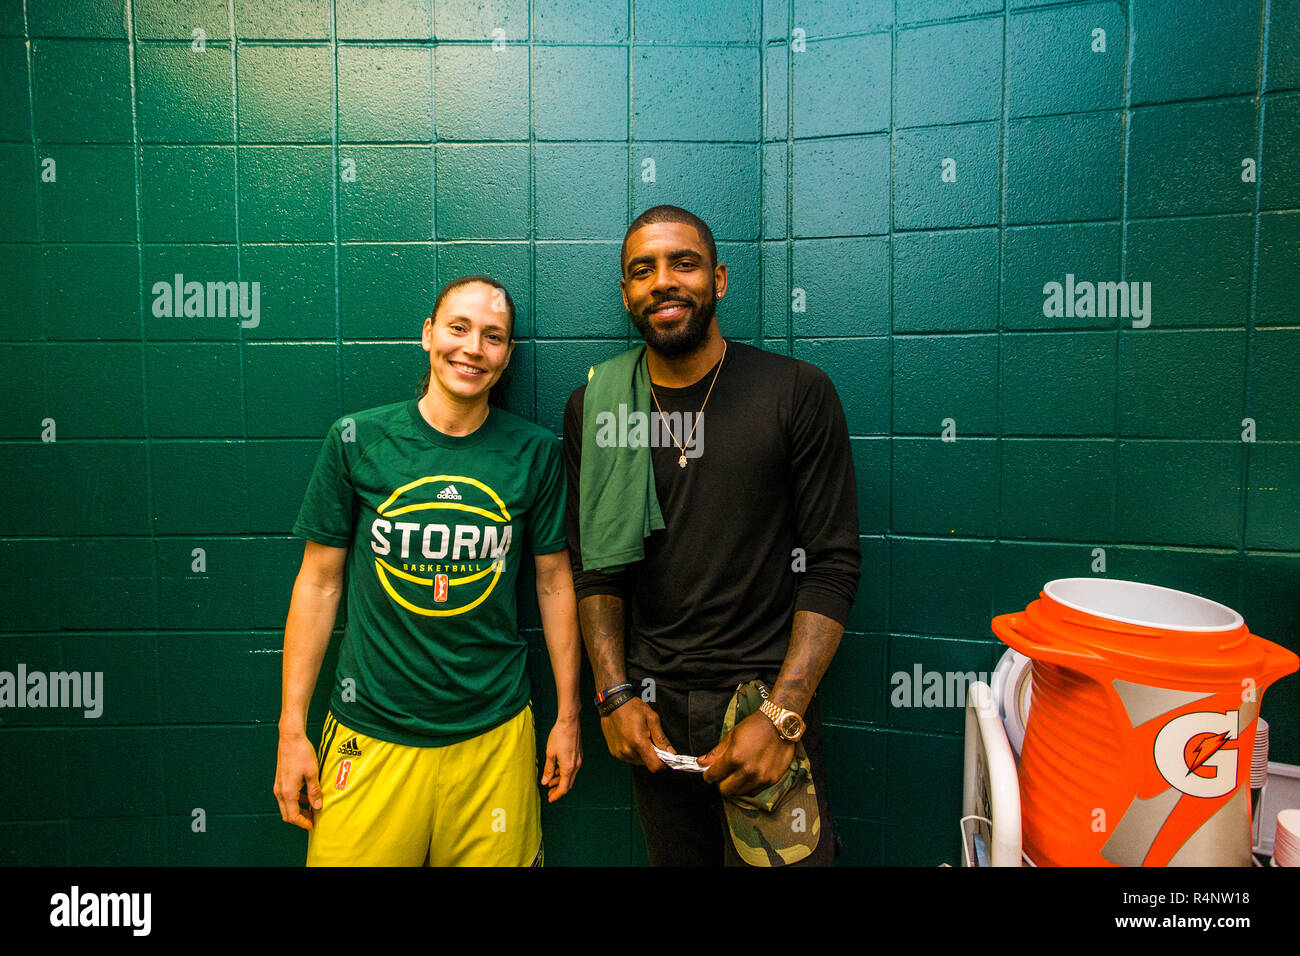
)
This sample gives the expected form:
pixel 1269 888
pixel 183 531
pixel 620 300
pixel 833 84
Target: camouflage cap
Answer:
pixel 780 824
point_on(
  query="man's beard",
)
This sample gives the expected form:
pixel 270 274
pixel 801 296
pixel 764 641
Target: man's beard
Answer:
pixel 683 341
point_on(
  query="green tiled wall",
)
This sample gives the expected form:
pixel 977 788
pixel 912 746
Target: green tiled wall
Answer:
pixel 352 155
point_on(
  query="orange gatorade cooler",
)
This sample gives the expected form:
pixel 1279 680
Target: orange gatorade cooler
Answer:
pixel 1142 725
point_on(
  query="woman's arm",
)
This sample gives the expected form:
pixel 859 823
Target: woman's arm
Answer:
pixel 559 609
pixel 312 611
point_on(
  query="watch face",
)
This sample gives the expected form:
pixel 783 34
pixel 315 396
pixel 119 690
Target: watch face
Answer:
pixel 791 726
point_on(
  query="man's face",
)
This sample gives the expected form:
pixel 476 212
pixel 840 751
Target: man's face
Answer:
pixel 671 286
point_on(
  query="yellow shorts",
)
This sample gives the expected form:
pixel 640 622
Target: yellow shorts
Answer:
pixel 475 803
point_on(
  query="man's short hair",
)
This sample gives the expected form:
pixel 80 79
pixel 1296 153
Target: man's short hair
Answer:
pixel 657 214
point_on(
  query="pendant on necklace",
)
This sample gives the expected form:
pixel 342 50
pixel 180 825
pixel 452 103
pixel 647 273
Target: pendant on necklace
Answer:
pixel 682 461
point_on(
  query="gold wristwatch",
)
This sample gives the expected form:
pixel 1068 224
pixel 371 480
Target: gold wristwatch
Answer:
pixel 789 725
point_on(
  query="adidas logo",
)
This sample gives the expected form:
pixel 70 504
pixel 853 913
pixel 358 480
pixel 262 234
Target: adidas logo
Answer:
pixel 350 748
pixel 449 494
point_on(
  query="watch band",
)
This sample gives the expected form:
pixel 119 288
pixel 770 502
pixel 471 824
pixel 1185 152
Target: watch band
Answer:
pixel 778 715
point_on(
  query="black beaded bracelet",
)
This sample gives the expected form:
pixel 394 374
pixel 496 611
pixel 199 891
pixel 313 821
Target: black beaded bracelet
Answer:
pixel 611 704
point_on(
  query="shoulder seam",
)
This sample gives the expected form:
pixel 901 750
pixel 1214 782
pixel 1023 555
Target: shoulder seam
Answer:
pixel 404 427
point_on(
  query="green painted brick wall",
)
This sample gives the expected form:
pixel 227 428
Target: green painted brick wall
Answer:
pixel 515 137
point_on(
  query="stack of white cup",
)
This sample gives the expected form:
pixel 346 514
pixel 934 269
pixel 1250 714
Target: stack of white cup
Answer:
pixel 1286 842
pixel 1259 763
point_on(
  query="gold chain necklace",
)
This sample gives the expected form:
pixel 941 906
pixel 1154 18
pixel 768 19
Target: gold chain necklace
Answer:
pixel 681 462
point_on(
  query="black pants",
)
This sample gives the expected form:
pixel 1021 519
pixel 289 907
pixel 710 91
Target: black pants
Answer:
pixel 681 815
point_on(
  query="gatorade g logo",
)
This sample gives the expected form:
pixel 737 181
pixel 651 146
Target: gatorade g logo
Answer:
pixel 1191 754
pixel 440 544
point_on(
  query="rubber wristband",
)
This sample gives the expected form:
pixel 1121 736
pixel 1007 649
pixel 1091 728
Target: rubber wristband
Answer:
pixel 609 692
pixel 611 704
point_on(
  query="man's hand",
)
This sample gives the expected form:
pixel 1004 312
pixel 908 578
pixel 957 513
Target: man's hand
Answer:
pixel 295 766
pixel 751 757
pixel 563 758
pixel 633 731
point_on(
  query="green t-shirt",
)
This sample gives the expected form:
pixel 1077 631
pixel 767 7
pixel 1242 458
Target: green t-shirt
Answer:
pixel 436 526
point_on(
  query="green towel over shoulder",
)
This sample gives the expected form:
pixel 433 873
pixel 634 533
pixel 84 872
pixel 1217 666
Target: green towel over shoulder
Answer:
pixel 617 503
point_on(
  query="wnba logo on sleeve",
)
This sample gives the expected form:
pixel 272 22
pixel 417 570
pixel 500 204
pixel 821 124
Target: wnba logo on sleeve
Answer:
pixel 440 544
pixel 1192 753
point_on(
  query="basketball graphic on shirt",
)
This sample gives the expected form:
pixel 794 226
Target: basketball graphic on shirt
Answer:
pixel 440 544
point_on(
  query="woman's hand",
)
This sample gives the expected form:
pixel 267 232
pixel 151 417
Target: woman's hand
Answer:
pixel 295 767
pixel 313 607
pixel 563 757
pixel 559 610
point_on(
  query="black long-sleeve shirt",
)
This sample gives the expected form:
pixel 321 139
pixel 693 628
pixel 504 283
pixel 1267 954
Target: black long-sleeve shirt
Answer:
pixel 712 602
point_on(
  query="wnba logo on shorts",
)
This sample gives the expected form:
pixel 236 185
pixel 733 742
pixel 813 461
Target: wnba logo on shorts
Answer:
pixel 341 780
pixel 440 587
pixel 1191 755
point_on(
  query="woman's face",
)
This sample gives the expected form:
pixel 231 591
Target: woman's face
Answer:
pixel 468 341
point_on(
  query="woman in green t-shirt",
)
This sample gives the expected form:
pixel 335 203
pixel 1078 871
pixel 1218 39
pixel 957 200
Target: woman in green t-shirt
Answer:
pixel 428 753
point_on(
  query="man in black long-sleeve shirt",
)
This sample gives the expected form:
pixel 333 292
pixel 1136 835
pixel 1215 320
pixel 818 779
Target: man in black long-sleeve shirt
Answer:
pixel 755 571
